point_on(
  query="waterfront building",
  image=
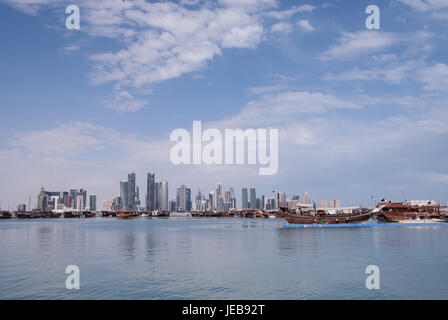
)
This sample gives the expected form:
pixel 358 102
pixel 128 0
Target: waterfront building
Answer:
pixel 21 208
pixel 335 203
pixel 188 199
pixel 211 204
pixel 124 192
pixel 80 202
pixel 323 204
pixel 150 192
pixel 92 202
pixel 131 192
pixel 184 199
pixel 282 199
pixel 172 206
pixel 164 205
pixel 253 199
pixel 219 198
pixel 306 198
pixel 244 199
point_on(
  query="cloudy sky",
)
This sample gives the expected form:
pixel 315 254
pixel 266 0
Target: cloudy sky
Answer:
pixel 361 112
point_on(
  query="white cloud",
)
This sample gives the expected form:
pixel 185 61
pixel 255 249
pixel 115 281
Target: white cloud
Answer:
pixel 360 43
pixel 426 5
pixel 435 78
pixel 124 102
pixel 305 25
pixel 282 27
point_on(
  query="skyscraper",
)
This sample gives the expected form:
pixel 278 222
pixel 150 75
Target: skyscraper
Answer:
pixel 244 199
pixel 131 191
pixel 253 199
pixel 188 199
pixel 211 204
pixel 150 192
pixel 92 202
pixel 156 196
pixel 164 205
pixel 124 192
pixel 306 198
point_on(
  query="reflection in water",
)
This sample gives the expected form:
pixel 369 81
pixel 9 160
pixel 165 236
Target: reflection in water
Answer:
pixel 217 258
pixel 127 245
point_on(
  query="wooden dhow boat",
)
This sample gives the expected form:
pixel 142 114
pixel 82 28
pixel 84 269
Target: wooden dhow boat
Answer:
pixel 124 214
pixel 320 217
pixel 72 214
pixel 5 214
pixel 407 212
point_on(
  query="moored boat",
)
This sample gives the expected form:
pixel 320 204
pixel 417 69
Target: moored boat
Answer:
pixel 88 214
pixel 124 214
pixel 409 212
pixel 5 214
pixel 72 214
pixel 360 216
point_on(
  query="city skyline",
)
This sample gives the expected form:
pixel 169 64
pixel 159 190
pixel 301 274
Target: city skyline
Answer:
pixel 158 199
pixel 360 112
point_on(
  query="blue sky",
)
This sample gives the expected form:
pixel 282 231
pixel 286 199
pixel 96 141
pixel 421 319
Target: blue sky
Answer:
pixel 361 112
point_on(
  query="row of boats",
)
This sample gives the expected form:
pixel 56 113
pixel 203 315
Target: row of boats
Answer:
pixel 385 211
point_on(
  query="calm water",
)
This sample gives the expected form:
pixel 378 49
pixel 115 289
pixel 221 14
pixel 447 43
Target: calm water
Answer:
pixel 187 258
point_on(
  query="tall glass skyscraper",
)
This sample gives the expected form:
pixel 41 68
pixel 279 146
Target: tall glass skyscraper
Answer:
pixel 253 199
pixel 164 195
pixel 244 199
pixel 131 191
pixel 92 202
pixel 150 192
pixel 124 193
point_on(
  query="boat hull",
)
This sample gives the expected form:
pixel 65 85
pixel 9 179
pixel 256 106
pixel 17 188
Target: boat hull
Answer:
pixel 325 219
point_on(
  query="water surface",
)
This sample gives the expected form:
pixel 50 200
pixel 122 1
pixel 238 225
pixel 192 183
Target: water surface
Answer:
pixel 194 258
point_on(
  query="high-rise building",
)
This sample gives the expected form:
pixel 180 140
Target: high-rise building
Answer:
pixel 282 199
pixel 306 198
pixel 219 198
pixel 80 202
pixel 150 192
pixel 211 204
pixel 164 206
pixel 131 191
pixel 188 199
pixel 172 206
pixel 124 194
pixel 253 199
pixel 323 204
pixel 92 202
pixel 244 199
pixel 156 196
pixel 263 204
pixel 335 203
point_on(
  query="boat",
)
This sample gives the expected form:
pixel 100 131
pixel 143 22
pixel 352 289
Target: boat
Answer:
pixel 408 212
pixel 51 215
pixel 320 217
pixel 88 214
pixel 161 214
pixel 5 214
pixel 124 214
pixel 72 214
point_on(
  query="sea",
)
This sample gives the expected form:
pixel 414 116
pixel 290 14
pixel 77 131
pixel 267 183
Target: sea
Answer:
pixel 219 258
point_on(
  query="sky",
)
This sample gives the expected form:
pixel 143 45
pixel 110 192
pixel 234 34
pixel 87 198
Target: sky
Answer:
pixel 362 114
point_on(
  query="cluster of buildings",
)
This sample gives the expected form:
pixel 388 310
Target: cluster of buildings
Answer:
pixel 74 200
pixel 157 199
